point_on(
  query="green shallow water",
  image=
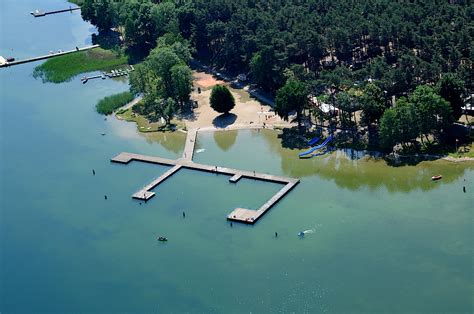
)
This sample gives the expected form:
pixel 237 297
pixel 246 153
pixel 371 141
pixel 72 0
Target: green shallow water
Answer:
pixel 385 239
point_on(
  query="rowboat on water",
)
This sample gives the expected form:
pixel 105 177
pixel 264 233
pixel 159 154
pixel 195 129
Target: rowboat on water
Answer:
pixel 436 178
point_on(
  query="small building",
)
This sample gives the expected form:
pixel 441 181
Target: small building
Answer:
pixel 324 107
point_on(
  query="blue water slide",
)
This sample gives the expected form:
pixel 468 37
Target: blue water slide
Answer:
pixel 312 149
pixel 314 141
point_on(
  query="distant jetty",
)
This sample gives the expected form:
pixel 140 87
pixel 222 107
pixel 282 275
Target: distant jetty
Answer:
pixel 38 13
pixel 5 63
pixel 111 74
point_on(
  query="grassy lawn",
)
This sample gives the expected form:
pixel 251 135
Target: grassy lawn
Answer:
pixel 109 104
pixel 64 68
pixel 144 125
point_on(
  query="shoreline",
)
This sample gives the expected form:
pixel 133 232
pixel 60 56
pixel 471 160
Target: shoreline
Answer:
pixel 238 127
pixel 250 114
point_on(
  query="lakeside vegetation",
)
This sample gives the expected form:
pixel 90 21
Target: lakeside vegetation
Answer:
pixel 64 68
pixel 109 104
pixel 145 125
pixel 403 68
pixel 164 79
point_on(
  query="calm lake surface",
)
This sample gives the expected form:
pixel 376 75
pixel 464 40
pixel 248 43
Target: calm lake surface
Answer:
pixel 385 239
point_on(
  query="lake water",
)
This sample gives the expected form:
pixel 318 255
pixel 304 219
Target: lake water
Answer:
pixel 386 239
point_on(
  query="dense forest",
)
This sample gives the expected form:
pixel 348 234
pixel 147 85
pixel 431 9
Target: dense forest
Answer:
pixel 356 53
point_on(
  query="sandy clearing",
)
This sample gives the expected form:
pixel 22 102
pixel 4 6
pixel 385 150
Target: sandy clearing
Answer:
pixel 247 111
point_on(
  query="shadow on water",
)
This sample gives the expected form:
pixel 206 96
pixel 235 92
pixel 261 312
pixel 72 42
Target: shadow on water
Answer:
pixel 352 169
pixel 401 161
pixel 107 40
pixel 225 140
pixel 293 138
pixel 224 120
pixel 171 141
pixel 354 154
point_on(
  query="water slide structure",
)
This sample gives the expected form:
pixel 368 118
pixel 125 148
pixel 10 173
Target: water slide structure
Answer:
pixel 314 141
pixel 312 149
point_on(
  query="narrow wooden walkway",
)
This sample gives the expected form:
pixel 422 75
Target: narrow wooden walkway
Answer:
pixel 251 216
pixel 248 216
pixel 52 55
pixel 145 194
pixel 189 145
pixel 39 13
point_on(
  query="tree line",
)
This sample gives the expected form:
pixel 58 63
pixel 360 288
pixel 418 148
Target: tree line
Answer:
pixel 354 54
pixel 402 44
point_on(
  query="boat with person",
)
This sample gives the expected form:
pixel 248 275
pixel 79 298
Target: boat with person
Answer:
pixel 162 239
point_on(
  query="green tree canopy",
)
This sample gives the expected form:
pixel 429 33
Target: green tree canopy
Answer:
pixel 452 89
pixel 222 100
pixel 424 113
pixel 181 78
pixel 292 97
pixel 432 111
pixel 165 81
pixel 347 105
pixel 399 44
pixel 101 13
pixel 398 125
pixel 373 103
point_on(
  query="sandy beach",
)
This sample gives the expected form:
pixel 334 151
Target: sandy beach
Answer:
pixel 247 111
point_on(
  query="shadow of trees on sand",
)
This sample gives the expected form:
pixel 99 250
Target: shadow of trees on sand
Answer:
pixel 224 120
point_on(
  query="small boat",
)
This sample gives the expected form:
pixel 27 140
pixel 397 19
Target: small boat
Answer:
pixel 162 239
pixel 436 178
pixel 10 59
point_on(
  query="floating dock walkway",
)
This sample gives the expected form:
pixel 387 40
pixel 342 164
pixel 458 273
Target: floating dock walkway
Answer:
pixel 189 145
pixel 38 13
pixel 249 216
pixel 111 74
pixel 145 194
pixel 51 55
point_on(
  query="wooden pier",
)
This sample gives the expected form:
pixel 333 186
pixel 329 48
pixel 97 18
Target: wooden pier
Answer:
pixel 51 55
pixel 189 145
pixel 248 216
pixel 112 74
pixel 244 215
pixel 145 194
pixel 235 178
pixel 38 13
